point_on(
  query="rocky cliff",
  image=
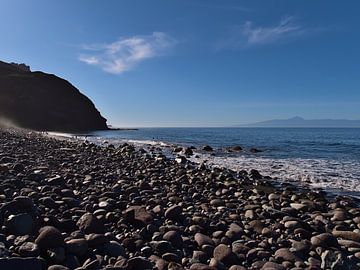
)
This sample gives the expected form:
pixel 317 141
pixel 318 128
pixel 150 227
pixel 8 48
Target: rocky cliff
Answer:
pixel 41 101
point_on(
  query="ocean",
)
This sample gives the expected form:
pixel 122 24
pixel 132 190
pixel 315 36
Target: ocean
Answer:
pixel 320 157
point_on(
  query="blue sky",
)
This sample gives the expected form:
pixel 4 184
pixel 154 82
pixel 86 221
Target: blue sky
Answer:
pixel 194 63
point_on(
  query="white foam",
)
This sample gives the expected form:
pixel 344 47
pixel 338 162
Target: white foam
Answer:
pixel 337 174
pixel 330 174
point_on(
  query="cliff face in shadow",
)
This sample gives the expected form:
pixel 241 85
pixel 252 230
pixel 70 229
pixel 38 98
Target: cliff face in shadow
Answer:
pixel 42 101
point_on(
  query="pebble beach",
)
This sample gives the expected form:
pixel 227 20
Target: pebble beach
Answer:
pixel 75 205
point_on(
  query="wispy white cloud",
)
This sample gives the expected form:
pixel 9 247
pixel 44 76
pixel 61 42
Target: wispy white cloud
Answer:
pixel 248 34
pixel 125 53
pixel 287 27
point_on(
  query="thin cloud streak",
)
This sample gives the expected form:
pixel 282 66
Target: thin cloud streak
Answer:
pixel 126 53
pixel 249 35
pixel 264 35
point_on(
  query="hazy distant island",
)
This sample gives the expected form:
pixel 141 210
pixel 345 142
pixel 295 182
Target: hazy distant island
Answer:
pixel 41 101
pixel 306 123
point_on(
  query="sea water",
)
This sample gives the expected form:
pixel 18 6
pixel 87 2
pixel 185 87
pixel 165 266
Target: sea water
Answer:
pixel 320 157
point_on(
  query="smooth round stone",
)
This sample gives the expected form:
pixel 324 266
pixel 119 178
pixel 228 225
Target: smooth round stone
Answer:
pixel 114 249
pixel 29 249
pixel 237 267
pixel 250 214
pixel 218 234
pixel 224 254
pixel 173 212
pixel 161 246
pixel 49 237
pixel 272 266
pixel 349 235
pixel 286 255
pixel 171 257
pixel 20 224
pixel 139 263
pixel 174 237
pixel 22 263
pixel 58 267
pixel 199 266
pixel 78 247
pixel 208 249
pixel 323 240
pixel 299 206
pixel 273 197
pixel 339 215
pixel 199 257
pixel 292 224
pixel 202 239
pixel 217 202
pixel 89 223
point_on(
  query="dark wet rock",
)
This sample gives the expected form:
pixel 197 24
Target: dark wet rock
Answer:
pixel 20 224
pixel 324 240
pixel 95 240
pixel 161 246
pixel 139 263
pixel 255 174
pixel 188 151
pixel 181 159
pixel 257 225
pixel 199 257
pixel 334 260
pixel 202 239
pixel 237 267
pixel 21 264
pixel 56 180
pixel 224 254
pixel 349 243
pixel 78 247
pixel 29 249
pixel 207 148
pixel 88 223
pixel 236 148
pixel 255 150
pixel 138 215
pixel 349 235
pixel 49 237
pixel 174 237
pixel 18 167
pixel 173 212
pixel 272 266
pixel 114 249
pixel 217 202
pixel 171 257
pixel 56 255
pixel 285 254
pixel 200 266
pixel 58 267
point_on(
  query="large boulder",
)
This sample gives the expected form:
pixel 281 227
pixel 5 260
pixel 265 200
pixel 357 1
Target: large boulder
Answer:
pixel 49 237
pixel 89 223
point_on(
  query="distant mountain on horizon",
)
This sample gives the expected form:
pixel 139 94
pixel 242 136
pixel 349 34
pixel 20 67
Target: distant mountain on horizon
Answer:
pixel 306 123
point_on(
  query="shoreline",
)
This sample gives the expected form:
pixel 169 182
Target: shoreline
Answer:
pixel 91 207
pixel 166 148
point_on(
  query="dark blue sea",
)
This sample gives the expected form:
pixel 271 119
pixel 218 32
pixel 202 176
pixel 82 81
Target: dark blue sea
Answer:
pixel 321 157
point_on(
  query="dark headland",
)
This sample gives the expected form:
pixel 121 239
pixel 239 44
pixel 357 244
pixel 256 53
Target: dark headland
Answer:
pixel 75 205
pixel 41 101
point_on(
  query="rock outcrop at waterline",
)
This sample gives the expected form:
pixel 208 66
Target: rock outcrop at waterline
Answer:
pixel 41 101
